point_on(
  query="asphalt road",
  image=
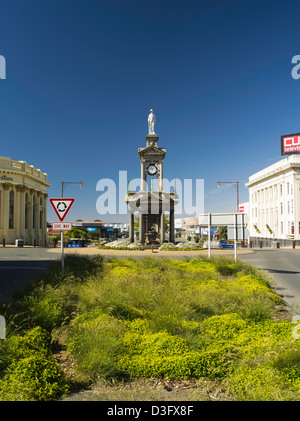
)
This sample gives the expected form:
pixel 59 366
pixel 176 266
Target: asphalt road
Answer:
pixel 284 267
pixel 20 266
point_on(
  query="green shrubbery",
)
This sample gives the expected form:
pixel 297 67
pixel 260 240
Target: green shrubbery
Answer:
pixel 124 318
pixel 28 368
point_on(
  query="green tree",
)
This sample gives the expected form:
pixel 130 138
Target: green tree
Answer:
pixel 76 233
pixel 222 229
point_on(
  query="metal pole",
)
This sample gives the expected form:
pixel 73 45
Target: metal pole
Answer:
pixel 237 196
pixel 62 237
pixel 62 251
pixel 235 217
pixel 209 235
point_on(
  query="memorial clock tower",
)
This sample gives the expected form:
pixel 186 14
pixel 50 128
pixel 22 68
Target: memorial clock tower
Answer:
pixel 152 204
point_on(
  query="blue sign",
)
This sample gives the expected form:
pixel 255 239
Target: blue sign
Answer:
pixel 91 229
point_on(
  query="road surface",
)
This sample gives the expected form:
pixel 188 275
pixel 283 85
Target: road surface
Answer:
pixel 19 267
pixel 284 266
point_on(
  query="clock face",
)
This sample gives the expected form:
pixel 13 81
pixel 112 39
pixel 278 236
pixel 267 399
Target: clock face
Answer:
pixel 152 169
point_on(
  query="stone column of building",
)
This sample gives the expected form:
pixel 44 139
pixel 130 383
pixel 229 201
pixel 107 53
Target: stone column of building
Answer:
pixel 171 226
pixel 18 210
pixel 5 207
pixel 131 227
pixel 45 215
pixel 142 228
pixel 22 211
pixel 38 226
pixel 162 228
pixel 30 216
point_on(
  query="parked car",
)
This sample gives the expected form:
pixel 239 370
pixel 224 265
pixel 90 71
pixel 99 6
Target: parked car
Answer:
pixel 224 245
pixel 76 242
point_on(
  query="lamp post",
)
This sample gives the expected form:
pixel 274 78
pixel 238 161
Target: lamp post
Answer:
pixel 69 182
pixel 62 233
pixel 236 185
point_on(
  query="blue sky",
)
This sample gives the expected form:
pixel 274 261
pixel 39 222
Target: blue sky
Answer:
pixel 82 76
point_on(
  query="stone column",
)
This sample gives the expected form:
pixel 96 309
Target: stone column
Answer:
pixel 162 228
pixel 5 209
pixel 171 226
pixel 143 176
pixel 142 231
pixel 131 227
pixel 30 216
pixel 160 177
pixel 18 209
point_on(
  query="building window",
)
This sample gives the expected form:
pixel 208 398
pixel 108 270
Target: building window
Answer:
pixel 281 228
pixel 292 206
pixel 280 189
pixel 281 208
pixel 292 228
pixel 11 210
pixel 288 188
pixel 289 225
pixel 292 189
pixel 288 207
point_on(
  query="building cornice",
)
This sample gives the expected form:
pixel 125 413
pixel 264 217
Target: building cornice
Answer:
pixel 269 174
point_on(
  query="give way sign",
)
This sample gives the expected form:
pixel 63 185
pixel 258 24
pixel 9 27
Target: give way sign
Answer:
pixel 61 206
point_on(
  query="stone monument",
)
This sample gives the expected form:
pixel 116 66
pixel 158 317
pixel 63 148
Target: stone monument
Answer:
pixel 152 205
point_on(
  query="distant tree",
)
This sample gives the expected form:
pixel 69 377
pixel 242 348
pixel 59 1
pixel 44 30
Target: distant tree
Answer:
pixel 166 222
pixel 76 233
pixel 222 232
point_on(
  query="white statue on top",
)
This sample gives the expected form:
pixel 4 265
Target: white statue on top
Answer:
pixel 151 122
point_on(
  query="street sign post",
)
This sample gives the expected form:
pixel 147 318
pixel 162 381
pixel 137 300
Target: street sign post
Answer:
pixel 233 220
pixel 61 207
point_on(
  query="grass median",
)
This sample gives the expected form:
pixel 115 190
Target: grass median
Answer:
pixel 201 319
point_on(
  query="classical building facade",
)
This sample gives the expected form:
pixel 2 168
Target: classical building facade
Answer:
pixel 274 203
pixel 23 203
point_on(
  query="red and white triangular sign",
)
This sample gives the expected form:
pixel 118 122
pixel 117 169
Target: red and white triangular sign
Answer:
pixel 61 206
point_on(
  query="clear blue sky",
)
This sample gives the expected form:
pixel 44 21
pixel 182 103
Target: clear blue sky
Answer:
pixel 82 76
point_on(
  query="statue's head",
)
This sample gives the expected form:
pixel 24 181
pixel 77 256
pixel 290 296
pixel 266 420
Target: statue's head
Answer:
pixel 151 111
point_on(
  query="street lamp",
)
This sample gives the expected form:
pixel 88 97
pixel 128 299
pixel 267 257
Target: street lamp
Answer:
pixel 236 185
pixel 69 182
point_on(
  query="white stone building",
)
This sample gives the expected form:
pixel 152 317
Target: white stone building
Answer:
pixel 274 203
pixel 23 203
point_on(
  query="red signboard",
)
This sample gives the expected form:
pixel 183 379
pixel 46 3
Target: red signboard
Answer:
pixel 290 144
pixel 62 226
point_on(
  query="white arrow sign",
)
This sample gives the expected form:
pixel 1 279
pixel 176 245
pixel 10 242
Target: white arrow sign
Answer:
pixel 61 207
